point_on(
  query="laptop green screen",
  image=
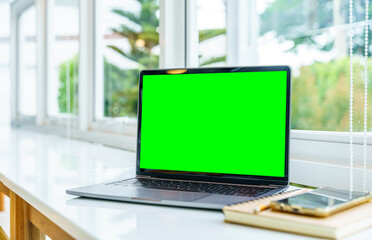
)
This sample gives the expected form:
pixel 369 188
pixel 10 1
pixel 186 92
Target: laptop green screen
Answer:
pixel 227 123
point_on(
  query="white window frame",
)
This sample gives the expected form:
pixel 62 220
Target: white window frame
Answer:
pixel 313 153
pixel 120 125
pixel 6 40
pixel 172 16
pixel 62 120
pixel 17 8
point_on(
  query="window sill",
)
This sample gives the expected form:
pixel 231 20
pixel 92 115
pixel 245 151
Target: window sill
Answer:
pixel 328 147
pixel 331 175
pixel 311 146
pixel 330 136
pixel 110 139
pixel 119 125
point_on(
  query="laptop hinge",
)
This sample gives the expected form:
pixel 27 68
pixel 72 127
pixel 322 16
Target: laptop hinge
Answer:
pixel 259 186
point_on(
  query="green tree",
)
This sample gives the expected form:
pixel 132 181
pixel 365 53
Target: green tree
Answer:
pixel 68 86
pixel 120 91
pixel 121 102
pixel 320 93
pixel 320 96
pixel 121 87
pixel 205 35
pixel 144 37
pixel 142 41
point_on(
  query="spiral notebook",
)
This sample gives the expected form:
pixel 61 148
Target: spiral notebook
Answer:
pixel 334 227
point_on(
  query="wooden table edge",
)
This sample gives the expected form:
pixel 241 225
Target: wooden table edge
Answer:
pixel 26 222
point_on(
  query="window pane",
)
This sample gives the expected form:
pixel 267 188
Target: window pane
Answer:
pixel 127 41
pixel 63 57
pixel 4 62
pixel 212 28
pixel 312 36
pixel 5 20
pixel 27 63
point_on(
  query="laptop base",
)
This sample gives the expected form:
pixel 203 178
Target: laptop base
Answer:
pixel 136 194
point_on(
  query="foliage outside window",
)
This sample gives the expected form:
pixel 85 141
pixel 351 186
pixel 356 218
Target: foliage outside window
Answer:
pixel 311 36
pixel 63 77
pixel 212 32
pixel 140 32
pixel 316 33
pixel 68 88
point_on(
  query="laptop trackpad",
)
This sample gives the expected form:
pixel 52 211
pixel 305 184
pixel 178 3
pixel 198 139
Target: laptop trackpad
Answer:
pixel 223 199
pixel 157 195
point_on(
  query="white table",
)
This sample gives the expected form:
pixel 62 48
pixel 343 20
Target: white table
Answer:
pixel 40 167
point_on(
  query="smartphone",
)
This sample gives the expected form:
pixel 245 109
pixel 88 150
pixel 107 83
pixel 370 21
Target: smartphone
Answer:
pixel 321 202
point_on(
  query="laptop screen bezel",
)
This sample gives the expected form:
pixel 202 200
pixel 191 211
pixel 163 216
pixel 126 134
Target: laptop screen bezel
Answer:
pixel 213 177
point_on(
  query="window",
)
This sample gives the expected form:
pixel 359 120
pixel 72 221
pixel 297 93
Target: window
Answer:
pixel 4 62
pixel 125 36
pixel 27 63
pixel 63 57
pixel 311 36
pixel 127 41
pixel 212 28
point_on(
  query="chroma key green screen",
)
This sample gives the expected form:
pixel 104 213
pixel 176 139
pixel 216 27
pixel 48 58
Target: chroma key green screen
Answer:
pixel 231 123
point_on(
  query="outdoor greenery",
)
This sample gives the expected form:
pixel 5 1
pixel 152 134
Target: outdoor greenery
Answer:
pixel 299 22
pixel 205 35
pixel 121 86
pixel 68 86
pixel 120 91
pixel 320 91
pixel 320 96
pixel 141 41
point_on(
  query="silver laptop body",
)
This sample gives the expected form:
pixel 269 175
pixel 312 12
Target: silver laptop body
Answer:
pixel 199 189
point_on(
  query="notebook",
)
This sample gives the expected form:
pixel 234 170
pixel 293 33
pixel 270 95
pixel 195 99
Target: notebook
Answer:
pixel 335 226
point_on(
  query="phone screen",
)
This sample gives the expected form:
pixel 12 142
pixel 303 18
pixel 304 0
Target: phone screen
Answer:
pixel 322 198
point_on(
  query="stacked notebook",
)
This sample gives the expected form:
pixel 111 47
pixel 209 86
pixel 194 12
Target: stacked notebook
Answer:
pixel 335 226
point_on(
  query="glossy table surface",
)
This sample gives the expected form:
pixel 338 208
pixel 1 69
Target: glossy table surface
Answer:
pixel 40 167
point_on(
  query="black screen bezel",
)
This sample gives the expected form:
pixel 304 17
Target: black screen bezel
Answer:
pixel 213 177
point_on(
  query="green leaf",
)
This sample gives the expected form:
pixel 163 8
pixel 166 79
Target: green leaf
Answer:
pixel 210 33
pixel 128 15
pixel 213 60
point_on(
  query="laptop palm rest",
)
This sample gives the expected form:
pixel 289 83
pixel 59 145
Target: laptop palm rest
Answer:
pixel 147 194
pixel 136 193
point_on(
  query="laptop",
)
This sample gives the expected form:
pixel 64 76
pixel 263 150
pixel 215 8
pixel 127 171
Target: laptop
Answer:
pixel 207 137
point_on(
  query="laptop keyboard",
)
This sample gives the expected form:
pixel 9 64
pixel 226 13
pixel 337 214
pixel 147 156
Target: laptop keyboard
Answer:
pixel 192 186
